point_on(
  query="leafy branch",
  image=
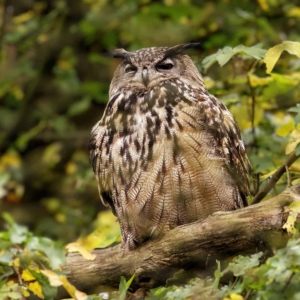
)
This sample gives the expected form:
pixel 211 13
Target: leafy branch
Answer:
pixel 274 179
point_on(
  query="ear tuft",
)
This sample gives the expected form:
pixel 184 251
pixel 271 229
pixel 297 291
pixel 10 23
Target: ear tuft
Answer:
pixel 179 49
pixel 120 53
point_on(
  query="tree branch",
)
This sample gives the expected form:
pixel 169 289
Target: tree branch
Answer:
pixel 192 246
pixel 2 27
pixel 273 180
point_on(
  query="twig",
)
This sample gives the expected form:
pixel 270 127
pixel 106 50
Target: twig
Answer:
pixel 288 282
pixel 234 283
pixel 288 176
pixel 253 101
pixel 273 180
pixel 248 295
pixel 19 275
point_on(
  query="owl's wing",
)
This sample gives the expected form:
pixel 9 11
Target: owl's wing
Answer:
pixel 228 138
pixel 97 141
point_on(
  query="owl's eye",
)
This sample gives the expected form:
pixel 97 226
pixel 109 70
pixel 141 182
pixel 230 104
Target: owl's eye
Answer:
pixel 130 69
pixel 164 66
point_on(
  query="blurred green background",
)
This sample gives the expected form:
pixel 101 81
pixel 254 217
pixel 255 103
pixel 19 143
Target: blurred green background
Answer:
pixel 55 70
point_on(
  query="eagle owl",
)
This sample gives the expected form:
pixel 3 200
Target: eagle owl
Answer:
pixel 165 152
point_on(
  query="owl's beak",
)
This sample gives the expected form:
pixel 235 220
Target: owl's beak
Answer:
pixel 145 76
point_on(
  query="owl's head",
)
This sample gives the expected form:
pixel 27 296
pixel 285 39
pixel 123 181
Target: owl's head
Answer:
pixel 146 68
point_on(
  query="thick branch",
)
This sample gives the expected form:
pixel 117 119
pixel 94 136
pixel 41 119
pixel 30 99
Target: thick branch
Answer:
pixel 275 177
pixel 192 246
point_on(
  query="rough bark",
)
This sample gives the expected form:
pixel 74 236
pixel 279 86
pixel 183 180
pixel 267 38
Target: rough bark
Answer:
pixel 192 246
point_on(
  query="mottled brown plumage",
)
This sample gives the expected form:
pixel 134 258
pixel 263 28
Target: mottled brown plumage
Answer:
pixel 165 152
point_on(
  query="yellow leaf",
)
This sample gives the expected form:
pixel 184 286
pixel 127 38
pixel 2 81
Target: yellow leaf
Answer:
pixel 17 262
pixel 80 295
pixel 293 12
pixel 10 283
pixel 209 82
pixel 295 77
pixel 60 217
pixel 52 204
pixel 52 154
pixel 23 18
pixel 107 232
pixel 91 241
pixel 290 223
pixel 18 93
pixel 71 168
pixel 36 288
pixel 279 116
pixel 242 116
pixel 296 181
pixel 53 278
pixel 236 297
pixel 286 129
pixel 27 276
pixel 286 80
pixel 33 266
pixel 25 293
pixel 263 4
pixel 259 81
pixel 72 290
pixel 274 53
pixel 65 65
pixel 106 218
pixel 293 142
pixel 295 167
pixel 9 160
pixel 268 175
pixel 77 247
pixel 271 57
pixel 42 38
pixel 295 206
pixel 58 280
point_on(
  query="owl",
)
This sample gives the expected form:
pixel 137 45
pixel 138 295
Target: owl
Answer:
pixel 165 152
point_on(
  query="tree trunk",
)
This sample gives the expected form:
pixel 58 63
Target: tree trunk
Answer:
pixel 190 247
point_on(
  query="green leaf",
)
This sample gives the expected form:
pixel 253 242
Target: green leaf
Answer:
pixel 293 142
pixel 128 283
pixel 241 264
pixel 254 51
pixel 218 275
pixel 296 109
pixel 14 295
pixel 23 140
pixel 124 286
pixel 158 293
pixel 10 291
pixel 297 150
pixel 225 54
pixel 274 53
pixel 280 85
pixel 5 271
pixel 80 106
pixel 18 233
pixel 8 218
pixel 6 258
pixel 53 250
